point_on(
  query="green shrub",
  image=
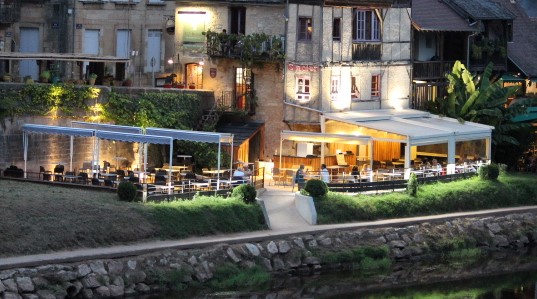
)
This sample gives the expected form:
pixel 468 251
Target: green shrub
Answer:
pixel 412 186
pixel 316 188
pixel 245 192
pixel 126 191
pixel 489 172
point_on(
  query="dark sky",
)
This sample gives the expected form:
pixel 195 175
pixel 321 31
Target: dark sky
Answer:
pixel 530 6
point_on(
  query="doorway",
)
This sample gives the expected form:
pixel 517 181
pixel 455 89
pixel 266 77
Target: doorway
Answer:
pixel 194 75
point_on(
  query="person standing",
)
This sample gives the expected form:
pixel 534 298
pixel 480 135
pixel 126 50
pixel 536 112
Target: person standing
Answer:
pixel 299 176
pixel 325 175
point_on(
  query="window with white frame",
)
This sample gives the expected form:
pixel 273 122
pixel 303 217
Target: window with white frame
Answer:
pixel 355 91
pixel 365 25
pixel 302 85
pixel 375 86
pixel 334 87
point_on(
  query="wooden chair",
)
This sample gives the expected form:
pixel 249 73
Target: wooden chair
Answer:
pixel 276 176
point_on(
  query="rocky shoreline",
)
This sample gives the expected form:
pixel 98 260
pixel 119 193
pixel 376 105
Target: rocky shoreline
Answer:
pixel 148 273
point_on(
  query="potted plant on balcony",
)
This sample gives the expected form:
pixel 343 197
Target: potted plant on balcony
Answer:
pixel 28 80
pixel 44 77
pixel 127 82
pixel 7 77
pixel 191 85
pixel 91 78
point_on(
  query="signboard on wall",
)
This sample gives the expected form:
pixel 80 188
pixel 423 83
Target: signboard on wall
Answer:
pixel 192 25
pixel 212 72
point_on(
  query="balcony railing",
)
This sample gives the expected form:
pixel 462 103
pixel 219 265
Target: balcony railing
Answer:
pixel 423 93
pixel 255 47
pixel 10 12
pixel 427 70
pixel 497 58
pixel 366 51
pixel 231 101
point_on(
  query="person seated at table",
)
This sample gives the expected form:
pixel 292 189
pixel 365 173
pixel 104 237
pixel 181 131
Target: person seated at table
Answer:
pixel 355 172
pixel 435 164
pixel 325 175
pixel 247 171
pixel 239 172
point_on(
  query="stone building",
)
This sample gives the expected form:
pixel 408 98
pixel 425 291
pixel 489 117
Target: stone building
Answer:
pixel 133 31
pixel 282 63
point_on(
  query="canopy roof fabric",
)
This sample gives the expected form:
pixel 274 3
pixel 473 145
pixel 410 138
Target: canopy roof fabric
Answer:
pixel 107 127
pixel 129 137
pixel 61 57
pixel 57 130
pixel 197 136
pixel 323 137
pixel 417 126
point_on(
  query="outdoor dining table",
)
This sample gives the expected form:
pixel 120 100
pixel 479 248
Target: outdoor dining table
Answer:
pixel 393 175
pixel 71 178
pixel 213 173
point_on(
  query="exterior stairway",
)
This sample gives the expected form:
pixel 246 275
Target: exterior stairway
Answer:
pixel 209 119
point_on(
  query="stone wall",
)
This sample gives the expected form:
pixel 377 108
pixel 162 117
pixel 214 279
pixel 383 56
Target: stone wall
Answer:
pixel 141 274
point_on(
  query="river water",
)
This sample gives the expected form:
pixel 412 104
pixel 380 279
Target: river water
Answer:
pixel 502 275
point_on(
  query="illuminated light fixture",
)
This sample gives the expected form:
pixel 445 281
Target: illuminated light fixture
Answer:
pixel 170 61
pixel 202 62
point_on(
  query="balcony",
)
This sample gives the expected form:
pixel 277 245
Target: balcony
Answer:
pixel 249 48
pixel 431 70
pixel 367 51
pixel 10 12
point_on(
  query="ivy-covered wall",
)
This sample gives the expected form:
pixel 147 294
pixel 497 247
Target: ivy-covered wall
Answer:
pixel 59 104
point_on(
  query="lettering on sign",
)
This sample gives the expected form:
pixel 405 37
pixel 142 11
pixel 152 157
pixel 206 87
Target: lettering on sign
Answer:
pixel 302 67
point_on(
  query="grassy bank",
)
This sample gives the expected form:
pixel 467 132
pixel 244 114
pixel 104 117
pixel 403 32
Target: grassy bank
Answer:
pixel 464 195
pixel 37 218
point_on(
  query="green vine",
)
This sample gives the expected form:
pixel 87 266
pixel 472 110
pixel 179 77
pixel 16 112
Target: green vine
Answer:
pixel 163 110
pixel 252 50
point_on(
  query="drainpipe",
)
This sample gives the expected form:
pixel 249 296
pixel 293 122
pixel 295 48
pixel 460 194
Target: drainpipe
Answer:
pixel 284 91
pixel 468 50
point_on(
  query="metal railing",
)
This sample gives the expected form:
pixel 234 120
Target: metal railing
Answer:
pixel 427 70
pixel 366 51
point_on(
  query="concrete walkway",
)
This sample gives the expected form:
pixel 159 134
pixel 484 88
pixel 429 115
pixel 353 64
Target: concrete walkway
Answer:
pixel 280 205
pixel 283 216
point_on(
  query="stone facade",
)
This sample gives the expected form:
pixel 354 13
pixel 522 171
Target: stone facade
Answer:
pixel 121 277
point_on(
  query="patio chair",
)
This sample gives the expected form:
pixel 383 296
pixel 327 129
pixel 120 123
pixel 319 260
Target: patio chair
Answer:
pixel 58 172
pixel 276 176
pixel 46 175
pixel 83 177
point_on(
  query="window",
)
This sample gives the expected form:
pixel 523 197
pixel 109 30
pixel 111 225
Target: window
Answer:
pixel 302 88
pixel 237 20
pixel 375 86
pixel 304 29
pixel 336 29
pixel 355 92
pixel 365 25
pixel 334 88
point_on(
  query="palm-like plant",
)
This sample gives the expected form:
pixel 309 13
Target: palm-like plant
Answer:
pixel 482 100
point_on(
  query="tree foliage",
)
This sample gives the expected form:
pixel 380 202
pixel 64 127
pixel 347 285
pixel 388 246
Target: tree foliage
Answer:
pixel 483 100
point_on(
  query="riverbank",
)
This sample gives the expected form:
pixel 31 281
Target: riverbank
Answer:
pixel 413 240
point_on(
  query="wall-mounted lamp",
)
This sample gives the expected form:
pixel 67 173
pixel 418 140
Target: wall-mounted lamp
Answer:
pixel 170 61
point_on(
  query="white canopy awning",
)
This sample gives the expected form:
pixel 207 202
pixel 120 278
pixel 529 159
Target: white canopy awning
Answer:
pixel 44 129
pixel 107 127
pixel 57 130
pixel 409 126
pixel 129 137
pixel 323 137
pixel 198 136
pixel 417 127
